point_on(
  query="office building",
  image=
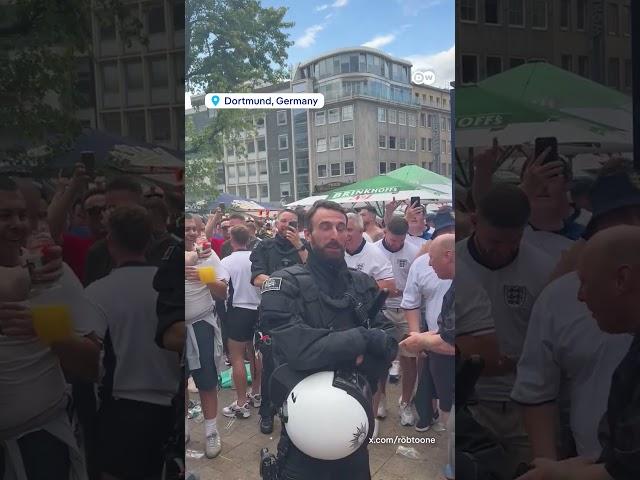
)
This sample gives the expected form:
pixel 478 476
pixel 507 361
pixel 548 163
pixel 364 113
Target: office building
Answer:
pixel 591 38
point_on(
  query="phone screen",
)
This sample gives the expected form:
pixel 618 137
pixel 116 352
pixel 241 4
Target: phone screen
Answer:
pixel 542 143
pixel 415 201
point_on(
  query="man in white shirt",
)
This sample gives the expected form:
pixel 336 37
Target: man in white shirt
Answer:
pixel 204 339
pixel 137 422
pixel 513 274
pixel 401 255
pixel 240 323
pixel 372 232
pixel 565 349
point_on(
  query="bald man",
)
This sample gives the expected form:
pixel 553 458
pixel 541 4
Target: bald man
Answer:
pixel 609 273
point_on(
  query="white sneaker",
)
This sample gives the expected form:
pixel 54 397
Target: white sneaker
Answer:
pixel 394 371
pixel 438 427
pixel 254 400
pixel 382 408
pixel 406 415
pixel 213 445
pixel 234 410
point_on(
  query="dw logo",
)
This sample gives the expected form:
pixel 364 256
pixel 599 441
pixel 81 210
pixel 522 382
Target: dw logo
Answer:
pixel 427 77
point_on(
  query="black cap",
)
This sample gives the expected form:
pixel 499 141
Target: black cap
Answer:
pixel 441 222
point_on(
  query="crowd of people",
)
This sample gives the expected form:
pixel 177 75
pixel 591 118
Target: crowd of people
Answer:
pixel 282 294
pixel 86 392
pixel 550 401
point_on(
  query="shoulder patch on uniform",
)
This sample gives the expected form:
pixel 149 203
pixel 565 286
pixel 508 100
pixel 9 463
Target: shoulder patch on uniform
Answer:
pixel 272 284
pixel 168 252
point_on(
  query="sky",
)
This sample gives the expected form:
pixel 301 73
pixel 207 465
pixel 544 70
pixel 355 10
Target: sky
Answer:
pixel 421 31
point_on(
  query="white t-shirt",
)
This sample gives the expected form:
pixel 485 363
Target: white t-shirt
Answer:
pixel 549 242
pixel 127 301
pixel 198 302
pixel 424 286
pixel 370 261
pixel 32 385
pixel 245 295
pixel 416 241
pixel 512 291
pixel 367 237
pixel 400 264
pixel 564 339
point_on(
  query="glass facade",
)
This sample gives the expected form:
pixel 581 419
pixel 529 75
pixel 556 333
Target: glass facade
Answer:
pixel 357 62
pixel 336 89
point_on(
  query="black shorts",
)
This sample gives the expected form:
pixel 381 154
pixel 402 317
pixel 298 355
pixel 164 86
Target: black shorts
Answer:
pixel 240 324
pixel 205 377
pixel 132 438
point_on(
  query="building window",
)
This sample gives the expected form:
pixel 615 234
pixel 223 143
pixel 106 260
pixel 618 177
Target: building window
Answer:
pixel 411 119
pixel 262 167
pixel 444 103
pixel 159 72
pixel 423 119
pixel 382 168
pixel 349 168
pixel 251 146
pixel 264 191
pixel 494 66
pixel 392 116
pixel 438 102
pixel 155 18
pixel 492 12
pixel 382 141
pixel 110 80
pixel 334 115
pixel 392 142
pixel 335 169
pixel 242 172
pixel 282 117
pixel 242 191
pixel 402 143
pixel 334 142
pixel 581 14
pixel 516 13
pixel 322 171
pixel 283 142
pixel 539 18
pixel 232 190
pixel 444 146
pixel 133 71
pixel 430 144
pixel 321 144
pixel 516 62
pixel 161 125
pixel 231 172
pixel 469 69
pixel 107 33
pixel 321 118
pixel 567 63
pixel 178 16
pixel 253 170
pixel 430 99
pixel 284 165
pixel 613 19
pixel 565 14
pixel 626 20
pixel 469 10
pixel 347 140
pixel 382 115
pixel 392 166
pixel 628 74
pixel 347 113
pixel 614 73
pixel 260 122
pixel 423 144
pixel 285 189
pixel 402 118
pixel 583 66
pixel 261 145
pixel 412 144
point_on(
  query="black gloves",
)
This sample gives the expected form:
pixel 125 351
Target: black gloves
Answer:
pixel 380 344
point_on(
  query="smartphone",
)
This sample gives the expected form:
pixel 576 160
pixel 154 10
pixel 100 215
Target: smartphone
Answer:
pixel 293 225
pixel 88 157
pixel 542 143
pixel 415 201
pixel 222 206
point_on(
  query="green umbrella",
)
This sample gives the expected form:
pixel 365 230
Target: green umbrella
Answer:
pixel 419 176
pixel 384 188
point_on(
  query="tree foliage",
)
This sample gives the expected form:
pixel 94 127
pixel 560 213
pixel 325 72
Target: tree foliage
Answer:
pixel 232 46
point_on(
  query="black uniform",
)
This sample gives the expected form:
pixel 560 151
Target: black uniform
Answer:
pixel 319 319
pixel 268 256
pixel 169 283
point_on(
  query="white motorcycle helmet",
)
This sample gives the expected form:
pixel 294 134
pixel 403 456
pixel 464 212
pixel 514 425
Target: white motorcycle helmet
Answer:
pixel 328 415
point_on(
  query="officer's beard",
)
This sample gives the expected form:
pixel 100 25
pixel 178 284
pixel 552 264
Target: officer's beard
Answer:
pixel 331 253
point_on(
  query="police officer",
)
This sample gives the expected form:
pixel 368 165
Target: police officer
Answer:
pixel 271 254
pixel 314 315
pixel 170 335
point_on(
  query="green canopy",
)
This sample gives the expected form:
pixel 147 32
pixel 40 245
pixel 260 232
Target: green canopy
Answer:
pixel 419 176
pixel 383 188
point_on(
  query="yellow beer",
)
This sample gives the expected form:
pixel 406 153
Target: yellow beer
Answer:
pixel 52 322
pixel 207 274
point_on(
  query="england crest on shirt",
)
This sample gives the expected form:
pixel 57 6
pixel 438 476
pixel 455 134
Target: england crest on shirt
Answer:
pixel 402 263
pixel 360 266
pixel 515 295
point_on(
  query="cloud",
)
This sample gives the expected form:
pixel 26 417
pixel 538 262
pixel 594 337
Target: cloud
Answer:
pixel 340 3
pixel 328 16
pixel 380 41
pixel 320 8
pixel 309 37
pixel 411 8
pixel 442 63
